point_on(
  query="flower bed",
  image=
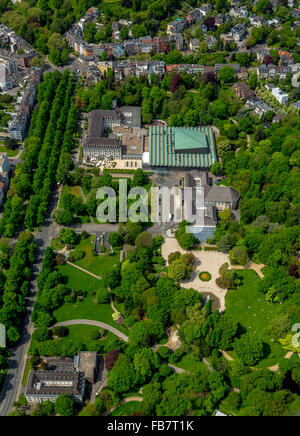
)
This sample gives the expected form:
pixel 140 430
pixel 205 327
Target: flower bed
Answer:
pixel 205 276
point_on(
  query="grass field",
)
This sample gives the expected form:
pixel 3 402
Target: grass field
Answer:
pixel 189 364
pixel 249 307
pixel 82 333
pixel 93 263
pixel 10 153
pixel 86 309
pixel 127 409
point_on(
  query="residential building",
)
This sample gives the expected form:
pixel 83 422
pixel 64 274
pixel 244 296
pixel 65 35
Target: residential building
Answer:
pixel 18 125
pixel 194 44
pixel 242 91
pixel 226 39
pixel 211 41
pixel 6 81
pixel 176 26
pixel 238 33
pixel 280 96
pixel 205 9
pixel 194 16
pixel 238 12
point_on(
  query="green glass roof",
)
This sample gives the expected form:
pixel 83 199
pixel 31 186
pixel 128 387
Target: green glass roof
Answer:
pixel 182 147
pixel 188 139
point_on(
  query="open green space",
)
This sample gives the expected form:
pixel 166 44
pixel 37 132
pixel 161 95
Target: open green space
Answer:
pixel 127 409
pixel 96 264
pixel 249 307
pixel 10 153
pixel 189 363
pixel 88 308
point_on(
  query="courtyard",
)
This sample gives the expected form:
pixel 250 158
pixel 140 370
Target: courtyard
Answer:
pixel 209 261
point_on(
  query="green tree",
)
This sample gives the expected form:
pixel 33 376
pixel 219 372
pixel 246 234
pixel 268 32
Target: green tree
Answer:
pixel 249 348
pixel 226 75
pixel 64 405
pixel 238 255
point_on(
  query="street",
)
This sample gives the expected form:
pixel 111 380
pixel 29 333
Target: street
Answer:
pixel 13 382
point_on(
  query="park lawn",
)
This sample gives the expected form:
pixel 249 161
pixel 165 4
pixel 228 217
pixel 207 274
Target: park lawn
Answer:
pixel 81 332
pixel 190 364
pixel 225 408
pixel 96 264
pixel 86 309
pixel 127 409
pixel 10 153
pixel 249 307
pixel 84 333
pixel 57 245
pixel 87 245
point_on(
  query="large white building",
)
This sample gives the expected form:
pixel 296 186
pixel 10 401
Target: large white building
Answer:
pixel 5 80
pixel 280 96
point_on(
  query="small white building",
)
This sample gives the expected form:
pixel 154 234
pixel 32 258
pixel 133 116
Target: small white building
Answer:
pixel 280 96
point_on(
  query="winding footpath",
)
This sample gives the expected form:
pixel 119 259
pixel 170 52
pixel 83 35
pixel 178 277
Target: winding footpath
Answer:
pixel 99 324
pixel 122 402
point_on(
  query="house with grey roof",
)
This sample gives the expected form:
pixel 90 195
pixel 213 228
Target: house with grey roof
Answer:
pixel 48 385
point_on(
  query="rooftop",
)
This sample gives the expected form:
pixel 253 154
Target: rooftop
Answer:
pixel 187 139
pixel 51 383
pixel 181 147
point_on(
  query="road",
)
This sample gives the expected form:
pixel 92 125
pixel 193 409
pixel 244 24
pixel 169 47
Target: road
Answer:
pixel 13 382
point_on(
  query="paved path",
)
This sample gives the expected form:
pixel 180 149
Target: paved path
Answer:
pixel 274 368
pixel 124 401
pixel 250 265
pixel 99 324
pixel 227 356
pixel 176 369
pixel 112 302
pixel 84 270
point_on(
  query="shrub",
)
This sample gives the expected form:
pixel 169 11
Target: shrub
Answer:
pixel 102 296
pixel 205 276
pixel 78 255
pixel 61 331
